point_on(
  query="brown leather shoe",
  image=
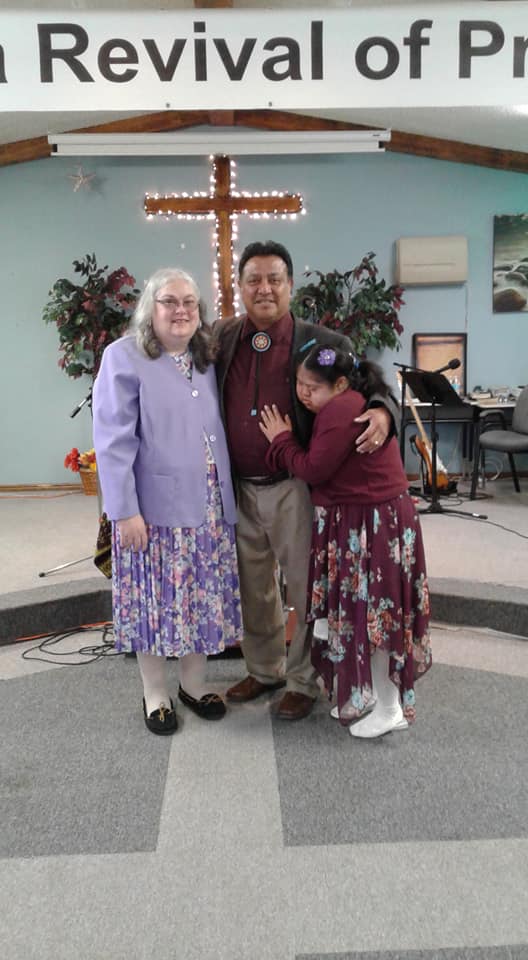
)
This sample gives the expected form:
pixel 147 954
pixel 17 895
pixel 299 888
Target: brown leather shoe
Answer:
pixel 295 706
pixel 250 689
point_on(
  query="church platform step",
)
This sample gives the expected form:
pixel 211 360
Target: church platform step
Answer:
pixel 55 608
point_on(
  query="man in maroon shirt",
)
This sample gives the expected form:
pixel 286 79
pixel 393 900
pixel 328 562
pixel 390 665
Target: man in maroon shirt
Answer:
pixel 256 356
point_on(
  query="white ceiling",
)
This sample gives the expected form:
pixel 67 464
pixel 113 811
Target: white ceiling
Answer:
pixel 501 127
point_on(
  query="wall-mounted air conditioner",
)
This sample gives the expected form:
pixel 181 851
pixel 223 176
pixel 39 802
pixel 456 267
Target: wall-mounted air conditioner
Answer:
pixel 431 260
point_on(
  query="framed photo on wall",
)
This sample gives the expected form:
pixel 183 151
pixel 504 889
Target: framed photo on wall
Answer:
pixel 434 350
pixel 510 263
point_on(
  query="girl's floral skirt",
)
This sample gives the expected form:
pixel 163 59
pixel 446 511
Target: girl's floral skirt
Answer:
pixel 368 578
pixel 181 595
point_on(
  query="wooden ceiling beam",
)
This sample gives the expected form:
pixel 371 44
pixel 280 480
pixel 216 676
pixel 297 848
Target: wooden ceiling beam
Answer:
pixel 161 122
pixel 212 4
pixel 411 143
pixel 457 152
pixel 285 120
pixel 23 151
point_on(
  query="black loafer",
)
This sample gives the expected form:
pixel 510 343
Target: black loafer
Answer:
pixel 163 721
pixel 208 707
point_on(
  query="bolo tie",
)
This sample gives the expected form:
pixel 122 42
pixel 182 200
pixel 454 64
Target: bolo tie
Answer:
pixel 260 343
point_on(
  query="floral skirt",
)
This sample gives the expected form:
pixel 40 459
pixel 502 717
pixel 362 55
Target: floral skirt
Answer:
pixel 368 578
pixel 181 595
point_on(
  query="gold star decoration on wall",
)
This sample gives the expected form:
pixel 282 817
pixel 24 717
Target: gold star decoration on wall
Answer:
pixel 81 180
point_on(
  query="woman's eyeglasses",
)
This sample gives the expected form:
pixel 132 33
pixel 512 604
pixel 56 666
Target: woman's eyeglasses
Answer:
pixel 171 303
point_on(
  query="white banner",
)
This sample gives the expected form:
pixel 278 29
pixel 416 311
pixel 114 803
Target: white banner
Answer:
pixel 421 55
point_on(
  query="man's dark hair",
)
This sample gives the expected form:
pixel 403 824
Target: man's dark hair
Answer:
pixel 268 249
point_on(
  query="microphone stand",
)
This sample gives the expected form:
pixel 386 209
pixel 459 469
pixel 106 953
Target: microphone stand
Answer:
pixel 403 367
pixel 87 399
pixel 72 563
pixel 435 506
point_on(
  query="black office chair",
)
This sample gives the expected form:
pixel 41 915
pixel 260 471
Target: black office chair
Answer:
pixel 504 440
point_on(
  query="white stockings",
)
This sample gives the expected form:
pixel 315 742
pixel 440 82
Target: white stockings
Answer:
pixel 192 670
pixel 153 670
pixel 387 714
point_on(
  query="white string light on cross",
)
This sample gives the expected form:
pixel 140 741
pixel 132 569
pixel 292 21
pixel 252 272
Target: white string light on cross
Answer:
pixel 224 204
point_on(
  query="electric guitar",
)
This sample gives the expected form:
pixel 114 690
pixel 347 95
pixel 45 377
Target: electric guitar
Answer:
pixel 423 445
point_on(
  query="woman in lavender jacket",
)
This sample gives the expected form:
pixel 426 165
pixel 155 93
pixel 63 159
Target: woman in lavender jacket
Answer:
pixel 164 468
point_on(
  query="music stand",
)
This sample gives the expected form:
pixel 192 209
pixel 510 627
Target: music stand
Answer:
pixel 434 388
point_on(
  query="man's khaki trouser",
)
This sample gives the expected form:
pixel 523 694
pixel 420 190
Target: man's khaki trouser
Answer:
pixel 274 526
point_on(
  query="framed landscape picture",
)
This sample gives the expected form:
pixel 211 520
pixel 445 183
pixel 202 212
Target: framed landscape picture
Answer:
pixel 510 263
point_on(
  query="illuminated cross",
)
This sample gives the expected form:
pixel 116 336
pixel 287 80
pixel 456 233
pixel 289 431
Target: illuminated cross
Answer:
pixel 224 204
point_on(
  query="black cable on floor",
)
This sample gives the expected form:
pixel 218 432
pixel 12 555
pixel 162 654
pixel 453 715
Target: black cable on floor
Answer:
pixel 97 652
pixel 94 653
pixel 492 523
pixel 470 516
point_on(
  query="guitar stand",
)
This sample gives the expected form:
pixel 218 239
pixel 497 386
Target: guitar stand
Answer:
pixel 451 486
pixel 435 389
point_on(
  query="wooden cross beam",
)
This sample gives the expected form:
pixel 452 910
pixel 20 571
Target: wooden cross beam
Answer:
pixel 224 204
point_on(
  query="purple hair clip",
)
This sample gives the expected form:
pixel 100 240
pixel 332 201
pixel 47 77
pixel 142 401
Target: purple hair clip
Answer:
pixel 326 358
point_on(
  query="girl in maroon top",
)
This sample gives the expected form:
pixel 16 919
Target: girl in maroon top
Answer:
pixel 367 574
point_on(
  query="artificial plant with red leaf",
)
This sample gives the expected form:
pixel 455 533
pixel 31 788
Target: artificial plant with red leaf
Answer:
pixel 357 303
pixel 90 314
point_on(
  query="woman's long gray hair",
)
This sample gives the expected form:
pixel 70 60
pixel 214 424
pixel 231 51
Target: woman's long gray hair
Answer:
pixel 141 324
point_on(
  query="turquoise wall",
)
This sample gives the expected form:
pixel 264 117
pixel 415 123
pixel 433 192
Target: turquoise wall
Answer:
pixel 355 204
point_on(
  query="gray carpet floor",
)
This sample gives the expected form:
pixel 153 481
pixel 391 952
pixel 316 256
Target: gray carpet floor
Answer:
pixel 459 774
pixel 252 839
pixel 85 735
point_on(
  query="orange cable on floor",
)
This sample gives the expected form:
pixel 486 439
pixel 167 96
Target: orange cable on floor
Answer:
pixel 70 630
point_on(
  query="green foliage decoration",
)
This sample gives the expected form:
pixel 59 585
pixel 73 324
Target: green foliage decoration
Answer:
pixel 89 314
pixel 357 303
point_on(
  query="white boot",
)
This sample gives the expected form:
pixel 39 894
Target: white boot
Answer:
pixel 334 712
pixel 387 714
pixel 320 629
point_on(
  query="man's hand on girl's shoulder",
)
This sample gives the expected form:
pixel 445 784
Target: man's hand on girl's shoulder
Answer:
pixel 378 421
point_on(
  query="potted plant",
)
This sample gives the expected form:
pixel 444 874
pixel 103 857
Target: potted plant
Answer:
pixel 357 303
pixel 85 465
pixel 89 314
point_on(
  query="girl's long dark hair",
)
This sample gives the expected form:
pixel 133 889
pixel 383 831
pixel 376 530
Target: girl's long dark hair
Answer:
pixel 329 364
